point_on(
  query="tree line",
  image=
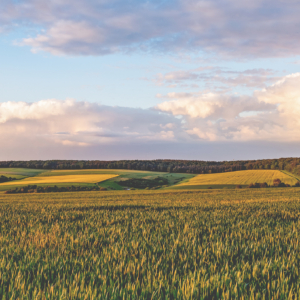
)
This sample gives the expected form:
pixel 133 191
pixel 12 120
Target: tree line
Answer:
pixel 163 165
pixel 5 179
pixel 53 189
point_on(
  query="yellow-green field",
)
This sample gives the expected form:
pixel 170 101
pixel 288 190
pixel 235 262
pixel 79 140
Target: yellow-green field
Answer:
pixel 240 177
pixel 85 178
pixel 105 178
pixel 210 245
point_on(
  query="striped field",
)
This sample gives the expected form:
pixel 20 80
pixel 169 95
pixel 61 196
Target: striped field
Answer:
pixel 85 178
pixel 240 178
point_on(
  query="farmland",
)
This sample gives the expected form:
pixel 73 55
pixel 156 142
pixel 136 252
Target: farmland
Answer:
pixel 85 178
pixel 209 244
pixel 239 178
pixel 110 179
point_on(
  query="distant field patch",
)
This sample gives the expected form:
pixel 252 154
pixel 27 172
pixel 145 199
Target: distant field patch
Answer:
pixel 92 178
pixel 25 172
pixel 240 177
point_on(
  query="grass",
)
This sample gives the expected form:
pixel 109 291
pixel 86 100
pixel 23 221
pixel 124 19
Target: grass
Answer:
pixel 85 178
pixel 210 244
pixel 21 171
pixel 240 178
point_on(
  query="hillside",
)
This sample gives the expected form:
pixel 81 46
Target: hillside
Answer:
pixel 162 165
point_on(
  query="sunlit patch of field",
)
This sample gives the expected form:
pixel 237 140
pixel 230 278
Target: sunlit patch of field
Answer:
pixel 85 178
pixel 240 177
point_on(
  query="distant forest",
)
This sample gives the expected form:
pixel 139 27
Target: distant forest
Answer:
pixel 163 165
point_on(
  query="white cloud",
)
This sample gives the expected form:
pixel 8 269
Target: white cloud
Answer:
pixel 70 123
pixel 34 111
pixel 212 106
pixel 273 114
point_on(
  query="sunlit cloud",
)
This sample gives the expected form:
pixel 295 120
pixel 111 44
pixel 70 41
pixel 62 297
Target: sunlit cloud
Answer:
pixel 270 114
pixel 72 123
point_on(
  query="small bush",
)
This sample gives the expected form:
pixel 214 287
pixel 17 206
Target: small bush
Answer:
pixel 258 185
pixel 276 182
pixel 238 186
pixel 263 185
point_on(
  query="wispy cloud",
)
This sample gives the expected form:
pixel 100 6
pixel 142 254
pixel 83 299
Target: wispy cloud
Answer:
pixel 215 78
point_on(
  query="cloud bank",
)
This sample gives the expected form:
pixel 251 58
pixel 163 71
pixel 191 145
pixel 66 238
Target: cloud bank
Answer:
pixel 83 124
pixel 270 115
pixel 232 28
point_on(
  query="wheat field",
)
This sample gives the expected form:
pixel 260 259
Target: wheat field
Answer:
pixel 210 245
pixel 85 178
pixel 240 177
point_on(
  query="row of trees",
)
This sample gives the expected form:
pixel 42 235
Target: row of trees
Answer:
pixel 163 165
pixel 54 189
pixel 5 179
pixel 276 183
pixel 140 183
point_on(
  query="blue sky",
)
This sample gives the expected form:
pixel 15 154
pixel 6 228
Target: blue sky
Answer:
pixel 149 79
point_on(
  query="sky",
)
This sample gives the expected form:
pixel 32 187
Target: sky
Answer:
pixel 157 79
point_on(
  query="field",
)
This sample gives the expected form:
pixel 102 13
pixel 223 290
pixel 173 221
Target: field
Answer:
pixel 209 244
pixel 173 178
pixel 108 178
pixel 20 171
pixel 85 178
pixel 239 178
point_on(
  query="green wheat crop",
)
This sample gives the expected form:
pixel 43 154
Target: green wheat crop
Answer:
pixel 212 244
